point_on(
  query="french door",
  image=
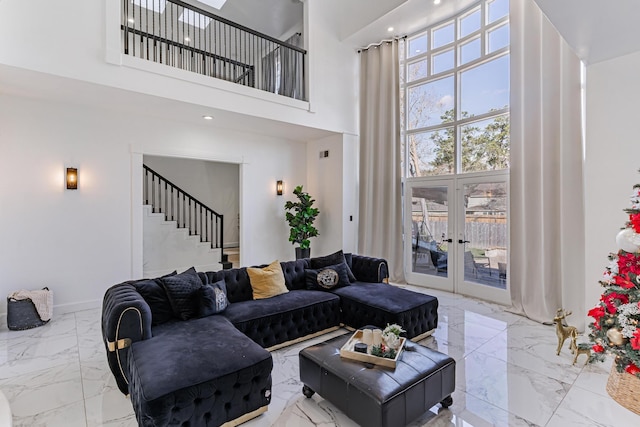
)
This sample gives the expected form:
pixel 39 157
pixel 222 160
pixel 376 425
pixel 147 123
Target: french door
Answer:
pixel 456 234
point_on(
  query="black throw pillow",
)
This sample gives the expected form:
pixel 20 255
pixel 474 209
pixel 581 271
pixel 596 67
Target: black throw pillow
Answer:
pixel 327 278
pixel 154 294
pixel 333 259
pixel 181 290
pixel 212 298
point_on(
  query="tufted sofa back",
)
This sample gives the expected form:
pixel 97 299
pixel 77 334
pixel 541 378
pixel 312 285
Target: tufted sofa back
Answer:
pixel 294 273
pixel 239 286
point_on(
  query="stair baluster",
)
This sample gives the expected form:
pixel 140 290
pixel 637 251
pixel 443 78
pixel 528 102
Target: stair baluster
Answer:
pixel 198 222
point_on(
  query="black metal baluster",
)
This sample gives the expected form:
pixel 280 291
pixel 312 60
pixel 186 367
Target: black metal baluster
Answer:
pixel 153 193
pixel 166 205
pixel 200 231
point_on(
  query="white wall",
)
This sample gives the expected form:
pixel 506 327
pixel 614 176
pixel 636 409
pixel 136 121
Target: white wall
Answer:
pixel 213 183
pixel 332 182
pixel 612 160
pixel 80 242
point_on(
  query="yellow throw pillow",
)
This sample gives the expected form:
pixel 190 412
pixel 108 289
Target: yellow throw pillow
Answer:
pixel 267 282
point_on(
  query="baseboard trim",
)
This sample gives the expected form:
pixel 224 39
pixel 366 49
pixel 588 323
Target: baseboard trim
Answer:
pixel 246 417
pixel 304 338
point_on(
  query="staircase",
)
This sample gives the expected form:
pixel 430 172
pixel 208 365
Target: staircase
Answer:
pixel 168 248
pixel 179 231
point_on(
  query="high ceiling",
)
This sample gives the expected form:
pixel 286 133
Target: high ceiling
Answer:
pixel 275 18
pixel 596 30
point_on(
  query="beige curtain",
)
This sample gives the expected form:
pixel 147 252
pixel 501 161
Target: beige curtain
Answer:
pixel 547 209
pixel 380 225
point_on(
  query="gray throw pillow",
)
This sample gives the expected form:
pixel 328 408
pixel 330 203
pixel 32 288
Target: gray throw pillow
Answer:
pixel 212 298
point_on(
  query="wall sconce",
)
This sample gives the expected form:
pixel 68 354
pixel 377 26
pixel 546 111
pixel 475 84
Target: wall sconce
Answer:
pixel 72 179
pixel 279 187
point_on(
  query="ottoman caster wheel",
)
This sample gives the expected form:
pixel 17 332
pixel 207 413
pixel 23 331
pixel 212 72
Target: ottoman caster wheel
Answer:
pixel 307 391
pixel 446 402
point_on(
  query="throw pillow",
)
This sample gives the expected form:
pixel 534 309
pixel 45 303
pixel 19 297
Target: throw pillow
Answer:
pixel 333 259
pixel 154 294
pixel 267 282
pixel 327 278
pixel 181 290
pixel 212 298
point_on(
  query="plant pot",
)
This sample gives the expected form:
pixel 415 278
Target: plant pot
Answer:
pixel 303 253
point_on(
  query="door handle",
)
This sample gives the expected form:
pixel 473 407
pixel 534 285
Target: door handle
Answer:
pixel 463 241
pixel 448 240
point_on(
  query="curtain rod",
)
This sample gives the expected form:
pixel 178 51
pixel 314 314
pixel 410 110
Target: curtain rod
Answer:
pixel 360 49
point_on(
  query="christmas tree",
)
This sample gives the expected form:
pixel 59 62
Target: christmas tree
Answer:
pixel 616 326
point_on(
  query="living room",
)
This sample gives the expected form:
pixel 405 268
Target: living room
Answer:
pixel 69 99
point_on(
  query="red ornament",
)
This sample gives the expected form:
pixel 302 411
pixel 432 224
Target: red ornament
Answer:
pixel 598 348
pixel 632 369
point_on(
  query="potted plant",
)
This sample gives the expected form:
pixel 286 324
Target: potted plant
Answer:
pixel 300 216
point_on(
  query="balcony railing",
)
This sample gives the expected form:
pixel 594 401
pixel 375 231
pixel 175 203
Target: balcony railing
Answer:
pixel 180 35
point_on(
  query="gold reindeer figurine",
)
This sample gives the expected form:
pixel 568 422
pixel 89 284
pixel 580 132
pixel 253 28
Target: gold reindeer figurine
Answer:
pixel 582 348
pixel 564 332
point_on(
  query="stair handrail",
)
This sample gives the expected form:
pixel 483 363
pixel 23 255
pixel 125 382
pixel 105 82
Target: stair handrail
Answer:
pixel 218 235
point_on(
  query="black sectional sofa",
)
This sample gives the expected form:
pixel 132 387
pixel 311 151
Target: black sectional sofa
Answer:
pixel 211 370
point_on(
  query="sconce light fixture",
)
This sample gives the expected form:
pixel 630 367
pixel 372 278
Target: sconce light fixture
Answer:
pixel 279 187
pixel 72 179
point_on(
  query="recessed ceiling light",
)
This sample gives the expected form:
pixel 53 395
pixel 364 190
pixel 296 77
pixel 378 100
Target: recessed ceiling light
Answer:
pixel 207 117
pixel 436 1
pixel 187 39
pixel 390 29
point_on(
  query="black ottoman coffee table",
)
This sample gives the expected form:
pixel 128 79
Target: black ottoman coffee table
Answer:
pixel 376 396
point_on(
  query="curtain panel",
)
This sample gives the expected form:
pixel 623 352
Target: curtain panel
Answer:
pixel 546 191
pixel 380 204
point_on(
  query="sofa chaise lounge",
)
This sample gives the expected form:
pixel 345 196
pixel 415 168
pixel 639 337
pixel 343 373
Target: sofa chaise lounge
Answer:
pixel 210 370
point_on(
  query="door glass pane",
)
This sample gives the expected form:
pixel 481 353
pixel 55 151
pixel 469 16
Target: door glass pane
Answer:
pixel 485 234
pixel 429 230
pixel 485 87
pixel 431 103
pixel 443 35
pixel 431 153
pixel 443 61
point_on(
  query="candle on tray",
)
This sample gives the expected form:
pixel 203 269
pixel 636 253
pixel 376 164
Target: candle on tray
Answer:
pixel 377 337
pixel 367 336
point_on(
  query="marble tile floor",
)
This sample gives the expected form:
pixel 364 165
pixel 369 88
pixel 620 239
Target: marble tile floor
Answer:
pixel 507 375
